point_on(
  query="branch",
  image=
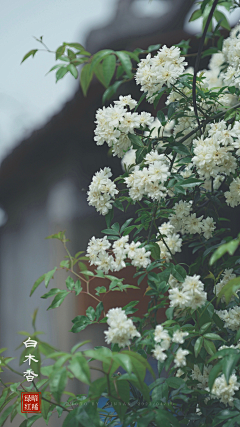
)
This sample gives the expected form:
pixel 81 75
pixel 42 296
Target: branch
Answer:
pixel 53 403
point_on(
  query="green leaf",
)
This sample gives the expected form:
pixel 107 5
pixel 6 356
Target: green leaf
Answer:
pixel 229 289
pixel 98 70
pixel 80 323
pixel 71 54
pixel 169 313
pixel 52 292
pixel 58 300
pixel 219 16
pixel 135 140
pixel 118 205
pixel 191 182
pixel 70 283
pixel 109 217
pixel 178 189
pixel 61 73
pixel 111 90
pixel 180 148
pixel 175 382
pixel 73 70
pixel 108 68
pixel 98 57
pixel 128 230
pixel 126 63
pixel 80 369
pixel 155 251
pixel 172 108
pixel 195 15
pixel 161 117
pixel 140 154
pixel 80 344
pixel 210 347
pixel 37 283
pixel 165 418
pixel 85 78
pixel 60 51
pixel 210 52
pixel 77 287
pixel 229 247
pixel 212 336
pixel 79 47
pixel 5 414
pixel 99 310
pixel 59 236
pixel 45 348
pixel 57 383
pixel 153 47
pixel 90 312
pixel 30 53
pixel 49 276
pixel 204 327
pixel 45 405
pixel 65 264
pixel 197 346
pixel 228 364
pixel 126 224
pixel 86 415
pixel 214 374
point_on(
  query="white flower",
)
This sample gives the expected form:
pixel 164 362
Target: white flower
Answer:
pixel 102 191
pixel 128 159
pixel 141 258
pixel 178 298
pixel 159 354
pixel 224 391
pixel 178 336
pixel 162 336
pixel 179 372
pixel 180 359
pixel 192 283
pixel 121 329
pixel 126 101
pixel 208 226
pixel 233 195
pixel 231 318
pixel 163 68
pixel 227 275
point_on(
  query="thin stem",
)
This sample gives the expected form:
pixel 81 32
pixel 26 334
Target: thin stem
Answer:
pixel 53 403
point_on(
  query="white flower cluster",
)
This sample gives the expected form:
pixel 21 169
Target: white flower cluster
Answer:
pixel 149 180
pixel 231 52
pixel 172 240
pixel 102 191
pixel 184 222
pixel 224 391
pixel 114 123
pixel 190 293
pixel 98 253
pixel 163 69
pixel 231 317
pixel 202 378
pixel 227 275
pixel 212 155
pixel 163 341
pixel 121 329
pixel 233 195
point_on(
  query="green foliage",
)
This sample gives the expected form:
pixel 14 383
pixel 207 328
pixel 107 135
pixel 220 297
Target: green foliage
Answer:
pixel 170 325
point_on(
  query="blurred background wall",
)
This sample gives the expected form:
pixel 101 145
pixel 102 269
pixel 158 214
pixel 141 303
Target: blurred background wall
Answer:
pixel 47 151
